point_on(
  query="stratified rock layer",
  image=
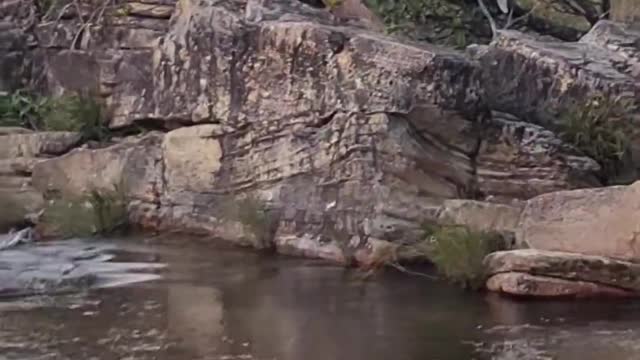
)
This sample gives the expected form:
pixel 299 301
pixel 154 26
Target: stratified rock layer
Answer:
pixel 338 135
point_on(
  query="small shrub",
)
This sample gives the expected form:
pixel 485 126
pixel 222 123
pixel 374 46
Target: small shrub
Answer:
pixel 99 213
pixel 80 113
pixel 22 109
pixel 601 128
pixel 458 253
pixel 254 214
pixel 73 112
pixel 333 4
pixel 446 22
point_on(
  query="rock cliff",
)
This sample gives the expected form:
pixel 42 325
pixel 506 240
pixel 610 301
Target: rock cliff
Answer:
pixel 340 134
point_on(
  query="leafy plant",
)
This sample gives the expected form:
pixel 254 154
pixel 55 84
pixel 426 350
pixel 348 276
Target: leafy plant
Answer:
pixel 459 252
pixel 79 113
pixel 22 109
pixel 447 22
pixel 601 128
pixel 255 216
pixel 72 112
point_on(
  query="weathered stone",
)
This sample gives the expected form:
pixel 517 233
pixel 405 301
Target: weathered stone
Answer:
pixel 521 160
pixel 18 166
pixel 598 221
pixel 134 164
pixel 520 284
pixel 37 144
pixel 545 77
pixel 481 216
pixel 192 157
pixel 567 266
pixel 16 204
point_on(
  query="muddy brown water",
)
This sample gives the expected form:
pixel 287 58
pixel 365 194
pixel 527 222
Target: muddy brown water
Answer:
pixel 217 302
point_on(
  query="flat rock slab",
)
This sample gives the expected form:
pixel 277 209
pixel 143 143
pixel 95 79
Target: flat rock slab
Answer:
pixel 565 266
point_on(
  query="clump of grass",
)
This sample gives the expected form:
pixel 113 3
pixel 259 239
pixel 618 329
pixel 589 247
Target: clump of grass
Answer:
pixel 99 213
pixel 255 216
pixel 22 109
pixel 458 253
pixel 80 113
pixel 72 112
pixel 417 18
pixel 601 128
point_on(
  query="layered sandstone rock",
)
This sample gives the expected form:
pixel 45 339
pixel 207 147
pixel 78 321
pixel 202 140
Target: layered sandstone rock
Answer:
pixel 343 137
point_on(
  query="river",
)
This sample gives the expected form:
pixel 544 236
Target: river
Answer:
pixel 217 302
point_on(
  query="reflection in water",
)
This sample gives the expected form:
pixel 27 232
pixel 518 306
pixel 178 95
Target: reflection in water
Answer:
pixel 227 304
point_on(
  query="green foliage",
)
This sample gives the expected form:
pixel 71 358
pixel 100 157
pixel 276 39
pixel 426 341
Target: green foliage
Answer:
pixel 22 109
pixel 99 213
pixel 73 112
pixel 601 128
pixel 447 22
pixel 79 113
pixel 256 217
pixel 458 253
pixel 333 4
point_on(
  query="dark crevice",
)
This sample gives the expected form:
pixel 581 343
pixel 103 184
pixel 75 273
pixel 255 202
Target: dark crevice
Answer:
pixel 314 3
pixel 324 120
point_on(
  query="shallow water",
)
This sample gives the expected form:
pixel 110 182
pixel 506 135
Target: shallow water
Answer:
pixel 215 302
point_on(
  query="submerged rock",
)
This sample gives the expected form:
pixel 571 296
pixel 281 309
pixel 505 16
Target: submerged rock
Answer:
pixel 552 273
pixel 522 284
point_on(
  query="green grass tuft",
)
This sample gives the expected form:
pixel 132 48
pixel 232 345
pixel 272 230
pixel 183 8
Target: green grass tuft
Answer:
pixel 458 253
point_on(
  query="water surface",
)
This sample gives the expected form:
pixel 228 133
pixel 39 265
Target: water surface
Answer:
pixel 216 302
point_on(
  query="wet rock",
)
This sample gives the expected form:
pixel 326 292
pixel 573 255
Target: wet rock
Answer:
pixel 600 221
pixel 567 266
pixel 521 284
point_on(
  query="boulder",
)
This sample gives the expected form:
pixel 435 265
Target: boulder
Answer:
pixel 599 221
pixel 567 266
